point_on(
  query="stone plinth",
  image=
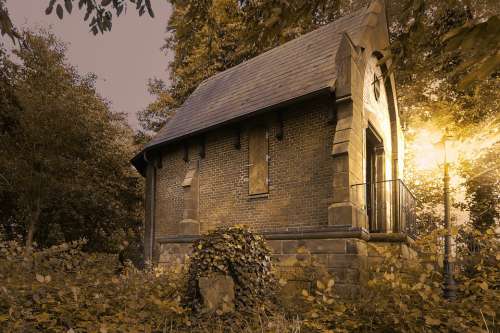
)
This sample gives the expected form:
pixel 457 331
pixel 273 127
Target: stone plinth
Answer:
pixel 344 254
pixel 189 227
pixel 217 292
pixel 343 258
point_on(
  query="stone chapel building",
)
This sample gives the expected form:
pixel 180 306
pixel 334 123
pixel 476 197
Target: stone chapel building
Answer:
pixel 302 143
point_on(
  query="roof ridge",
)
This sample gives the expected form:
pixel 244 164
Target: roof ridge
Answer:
pixel 276 48
pixel 211 93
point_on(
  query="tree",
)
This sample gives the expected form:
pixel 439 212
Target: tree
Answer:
pixel 483 188
pixel 204 36
pixel 457 41
pixel 65 155
pixel 152 117
pixel 102 14
pixel 6 26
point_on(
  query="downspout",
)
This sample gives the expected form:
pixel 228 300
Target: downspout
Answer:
pixel 150 209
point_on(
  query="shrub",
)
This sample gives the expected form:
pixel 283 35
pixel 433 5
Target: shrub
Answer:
pixel 236 252
pixel 408 298
pixel 63 289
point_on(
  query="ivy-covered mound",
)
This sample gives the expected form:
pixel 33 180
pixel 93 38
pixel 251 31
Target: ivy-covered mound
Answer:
pixel 238 253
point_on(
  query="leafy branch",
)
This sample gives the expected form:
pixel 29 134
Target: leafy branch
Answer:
pixel 101 13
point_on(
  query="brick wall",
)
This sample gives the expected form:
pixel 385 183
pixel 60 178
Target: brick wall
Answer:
pixel 169 197
pixel 300 173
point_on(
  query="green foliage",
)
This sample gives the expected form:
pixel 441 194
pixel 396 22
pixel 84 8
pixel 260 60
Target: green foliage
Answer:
pixel 444 64
pixel 483 188
pixel 406 296
pixel 102 13
pixel 153 117
pixel 440 49
pixel 64 167
pixel 240 254
pixel 6 26
pixel 62 289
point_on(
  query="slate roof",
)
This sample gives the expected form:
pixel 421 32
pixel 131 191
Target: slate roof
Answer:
pixel 297 68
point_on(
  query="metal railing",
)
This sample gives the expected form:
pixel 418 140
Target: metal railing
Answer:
pixel 389 205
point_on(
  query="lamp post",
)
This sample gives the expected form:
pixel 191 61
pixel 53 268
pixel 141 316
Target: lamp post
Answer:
pixel 449 286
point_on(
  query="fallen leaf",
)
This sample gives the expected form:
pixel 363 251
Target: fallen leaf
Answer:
pixel 432 321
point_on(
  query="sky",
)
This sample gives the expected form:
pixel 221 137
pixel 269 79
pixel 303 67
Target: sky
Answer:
pixel 123 59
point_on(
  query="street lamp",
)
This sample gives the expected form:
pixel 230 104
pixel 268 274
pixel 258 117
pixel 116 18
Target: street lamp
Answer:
pixel 449 287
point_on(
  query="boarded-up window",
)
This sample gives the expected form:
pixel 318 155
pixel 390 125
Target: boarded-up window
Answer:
pixel 258 161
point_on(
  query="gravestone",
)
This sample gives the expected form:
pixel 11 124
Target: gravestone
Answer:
pixel 217 292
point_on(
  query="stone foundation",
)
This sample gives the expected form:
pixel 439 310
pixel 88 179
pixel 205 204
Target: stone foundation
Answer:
pixel 172 253
pixel 400 244
pixel 302 257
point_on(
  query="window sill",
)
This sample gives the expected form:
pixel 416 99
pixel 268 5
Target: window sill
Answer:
pixel 258 196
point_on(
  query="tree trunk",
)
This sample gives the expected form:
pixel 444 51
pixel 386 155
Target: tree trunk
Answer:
pixel 35 215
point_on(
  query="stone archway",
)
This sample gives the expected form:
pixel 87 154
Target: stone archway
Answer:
pixel 395 138
pixel 393 114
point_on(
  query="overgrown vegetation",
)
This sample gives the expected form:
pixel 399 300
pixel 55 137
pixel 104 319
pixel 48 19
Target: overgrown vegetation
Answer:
pixel 240 254
pixel 63 289
pixel 406 296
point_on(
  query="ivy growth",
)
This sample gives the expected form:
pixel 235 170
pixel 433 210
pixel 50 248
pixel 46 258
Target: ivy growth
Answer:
pixel 238 253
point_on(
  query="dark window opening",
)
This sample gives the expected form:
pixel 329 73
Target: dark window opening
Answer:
pixel 375 182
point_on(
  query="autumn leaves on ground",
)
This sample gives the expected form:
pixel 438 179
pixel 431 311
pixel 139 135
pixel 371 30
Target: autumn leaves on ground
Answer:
pixel 71 205
pixel 65 289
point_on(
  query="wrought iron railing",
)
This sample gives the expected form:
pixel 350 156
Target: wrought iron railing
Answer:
pixel 389 205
